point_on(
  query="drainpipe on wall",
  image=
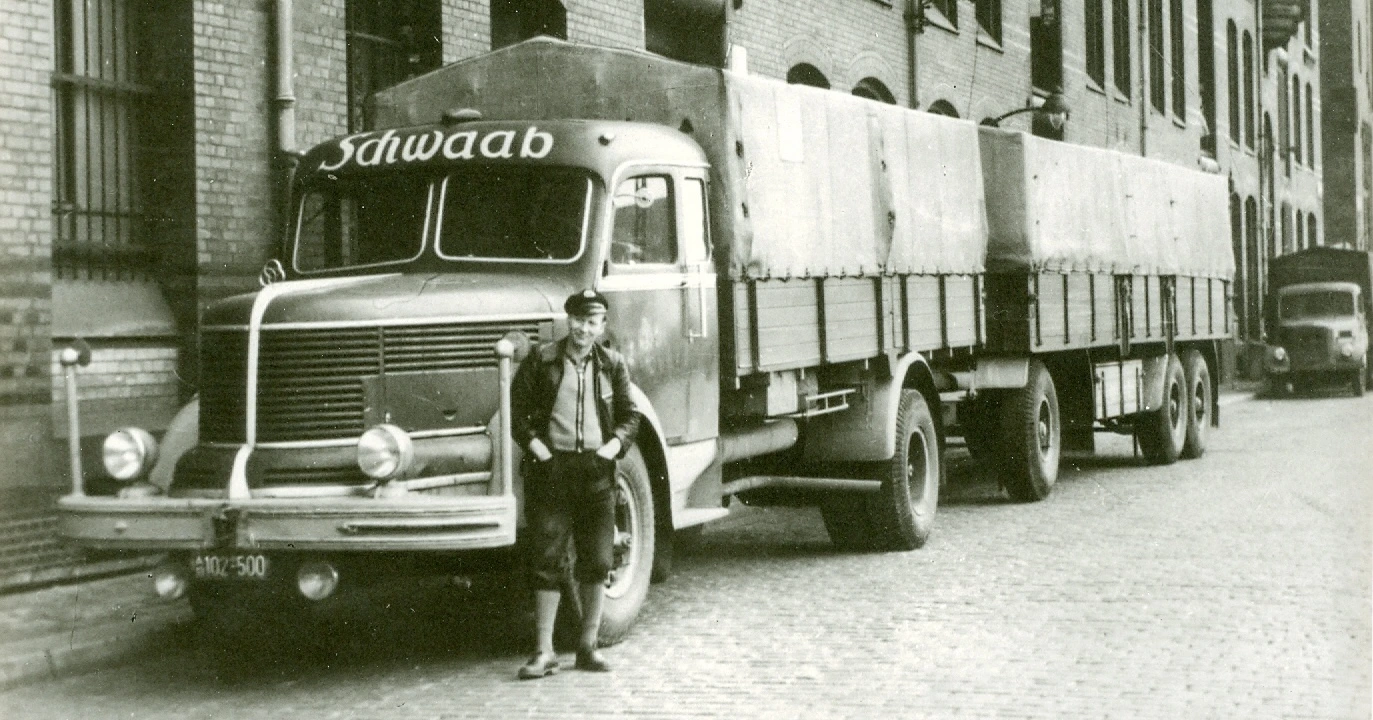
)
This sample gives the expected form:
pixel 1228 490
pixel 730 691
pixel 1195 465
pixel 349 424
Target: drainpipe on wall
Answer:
pixel 914 24
pixel 284 106
pixel 1143 80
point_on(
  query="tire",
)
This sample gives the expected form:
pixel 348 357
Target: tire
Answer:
pixel 1162 432
pixel 635 534
pixel 1199 393
pixel 900 516
pixel 1031 438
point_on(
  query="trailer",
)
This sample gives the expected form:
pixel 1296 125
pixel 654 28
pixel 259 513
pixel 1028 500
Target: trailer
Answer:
pixel 813 291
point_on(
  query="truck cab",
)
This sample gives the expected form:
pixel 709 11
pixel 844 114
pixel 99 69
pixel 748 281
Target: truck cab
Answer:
pixel 1320 335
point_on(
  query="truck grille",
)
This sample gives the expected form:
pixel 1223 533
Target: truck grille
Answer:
pixel 1307 346
pixel 310 382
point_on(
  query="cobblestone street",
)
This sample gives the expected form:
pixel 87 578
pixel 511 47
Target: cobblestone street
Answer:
pixel 1235 586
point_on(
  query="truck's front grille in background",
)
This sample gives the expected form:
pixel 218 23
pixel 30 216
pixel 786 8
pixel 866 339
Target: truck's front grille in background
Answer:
pixel 1307 345
pixel 223 383
pixel 310 382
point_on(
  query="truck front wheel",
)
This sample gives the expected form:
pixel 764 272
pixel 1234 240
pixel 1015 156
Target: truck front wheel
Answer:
pixel 634 539
pixel 1031 437
pixel 1199 389
pixel 1162 432
pixel 901 514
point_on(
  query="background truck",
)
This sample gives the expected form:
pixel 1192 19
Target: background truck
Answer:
pixel 1319 316
pixel 813 291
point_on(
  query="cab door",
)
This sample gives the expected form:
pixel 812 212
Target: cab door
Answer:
pixel 662 297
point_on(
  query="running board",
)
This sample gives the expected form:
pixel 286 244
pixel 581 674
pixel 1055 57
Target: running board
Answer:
pixel 788 482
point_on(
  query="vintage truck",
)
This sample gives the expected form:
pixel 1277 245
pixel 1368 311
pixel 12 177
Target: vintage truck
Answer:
pixel 1319 319
pixel 814 291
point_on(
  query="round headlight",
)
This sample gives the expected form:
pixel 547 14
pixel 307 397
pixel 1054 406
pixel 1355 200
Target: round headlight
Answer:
pixel 170 580
pixel 129 453
pixel 1346 349
pixel 385 452
pixel 316 580
pixel 1279 353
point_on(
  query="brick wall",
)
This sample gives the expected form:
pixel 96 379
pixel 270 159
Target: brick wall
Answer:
pixel 613 23
pixel 466 29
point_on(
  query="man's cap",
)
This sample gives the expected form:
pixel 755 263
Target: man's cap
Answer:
pixel 586 302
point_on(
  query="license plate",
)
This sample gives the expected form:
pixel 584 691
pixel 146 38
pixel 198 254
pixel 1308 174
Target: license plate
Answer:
pixel 230 567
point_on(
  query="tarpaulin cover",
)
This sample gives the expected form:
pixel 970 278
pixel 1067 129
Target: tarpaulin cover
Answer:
pixel 1059 207
pixel 806 183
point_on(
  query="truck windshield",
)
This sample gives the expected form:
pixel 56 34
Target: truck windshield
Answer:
pixel 354 222
pixel 1325 303
pixel 515 213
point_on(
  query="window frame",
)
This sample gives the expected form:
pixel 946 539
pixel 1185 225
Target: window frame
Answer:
pixel 670 176
pixel 1122 73
pixel 989 18
pixel 1094 35
pixel 588 206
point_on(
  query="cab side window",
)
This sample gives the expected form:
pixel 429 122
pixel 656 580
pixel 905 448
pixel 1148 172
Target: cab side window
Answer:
pixel 645 224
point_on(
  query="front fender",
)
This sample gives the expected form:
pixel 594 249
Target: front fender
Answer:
pixel 183 433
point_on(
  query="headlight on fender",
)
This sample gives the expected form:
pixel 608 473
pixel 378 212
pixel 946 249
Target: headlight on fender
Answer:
pixel 385 452
pixel 129 453
pixel 1279 353
pixel 1346 349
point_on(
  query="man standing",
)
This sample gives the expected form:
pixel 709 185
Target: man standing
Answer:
pixel 572 413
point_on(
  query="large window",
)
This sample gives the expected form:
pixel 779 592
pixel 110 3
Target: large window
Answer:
pixel 1157 88
pixel 989 17
pixel 1206 74
pixel 1310 130
pixel 1120 44
pixel 1248 95
pixel 1232 67
pixel 516 20
pixel 645 224
pixel 1284 122
pixel 1046 48
pixel 807 74
pixel 1096 41
pixel 123 142
pixel 388 41
pixel 1297 136
pixel 1175 44
pixel 949 8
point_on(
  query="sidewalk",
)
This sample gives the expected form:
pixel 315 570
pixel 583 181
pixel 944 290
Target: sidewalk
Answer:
pixel 71 629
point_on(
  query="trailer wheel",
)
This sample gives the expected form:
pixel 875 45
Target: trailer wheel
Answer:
pixel 634 537
pixel 1198 378
pixel 1162 432
pixel 1031 437
pixel 905 507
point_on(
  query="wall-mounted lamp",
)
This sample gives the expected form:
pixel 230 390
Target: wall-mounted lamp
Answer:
pixel 1053 110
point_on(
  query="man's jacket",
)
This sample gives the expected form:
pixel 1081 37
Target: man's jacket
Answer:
pixel 536 386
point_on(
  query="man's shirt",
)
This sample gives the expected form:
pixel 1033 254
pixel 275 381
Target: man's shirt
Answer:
pixel 574 425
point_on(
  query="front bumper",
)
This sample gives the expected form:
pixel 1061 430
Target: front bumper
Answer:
pixel 160 523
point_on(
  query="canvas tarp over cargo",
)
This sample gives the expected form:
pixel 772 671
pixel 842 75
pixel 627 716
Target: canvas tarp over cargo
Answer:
pixel 816 183
pixel 1059 207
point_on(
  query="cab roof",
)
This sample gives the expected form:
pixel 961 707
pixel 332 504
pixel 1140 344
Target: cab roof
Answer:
pixel 601 146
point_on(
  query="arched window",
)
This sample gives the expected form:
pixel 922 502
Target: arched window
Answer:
pixel 1300 227
pixel 943 107
pixel 807 74
pixel 873 89
pixel 1311 236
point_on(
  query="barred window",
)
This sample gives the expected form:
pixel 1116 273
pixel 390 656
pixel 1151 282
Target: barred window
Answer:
pixel 388 42
pixel 989 17
pixel 1233 71
pixel 1156 86
pixel 1175 44
pixel 123 141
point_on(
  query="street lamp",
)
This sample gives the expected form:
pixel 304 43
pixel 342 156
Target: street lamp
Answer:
pixel 1054 109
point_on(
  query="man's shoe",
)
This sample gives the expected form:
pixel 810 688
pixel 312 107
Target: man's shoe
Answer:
pixel 592 660
pixel 540 665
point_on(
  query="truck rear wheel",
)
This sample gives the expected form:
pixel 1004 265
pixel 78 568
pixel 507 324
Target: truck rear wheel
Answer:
pixel 634 538
pixel 1199 389
pixel 1162 432
pixel 901 514
pixel 1031 437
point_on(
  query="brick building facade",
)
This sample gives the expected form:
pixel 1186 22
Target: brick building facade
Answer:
pixel 140 171
pixel 1346 67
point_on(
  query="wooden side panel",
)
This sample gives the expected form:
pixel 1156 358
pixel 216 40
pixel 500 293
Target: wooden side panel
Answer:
pixel 852 320
pixel 1104 323
pixel 1186 304
pixel 893 332
pixel 1079 310
pixel 961 316
pixel 743 329
pixel 1220 309
pixel 1156 310
pixel 923 312
pixel 788 318
pixel 1050 331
